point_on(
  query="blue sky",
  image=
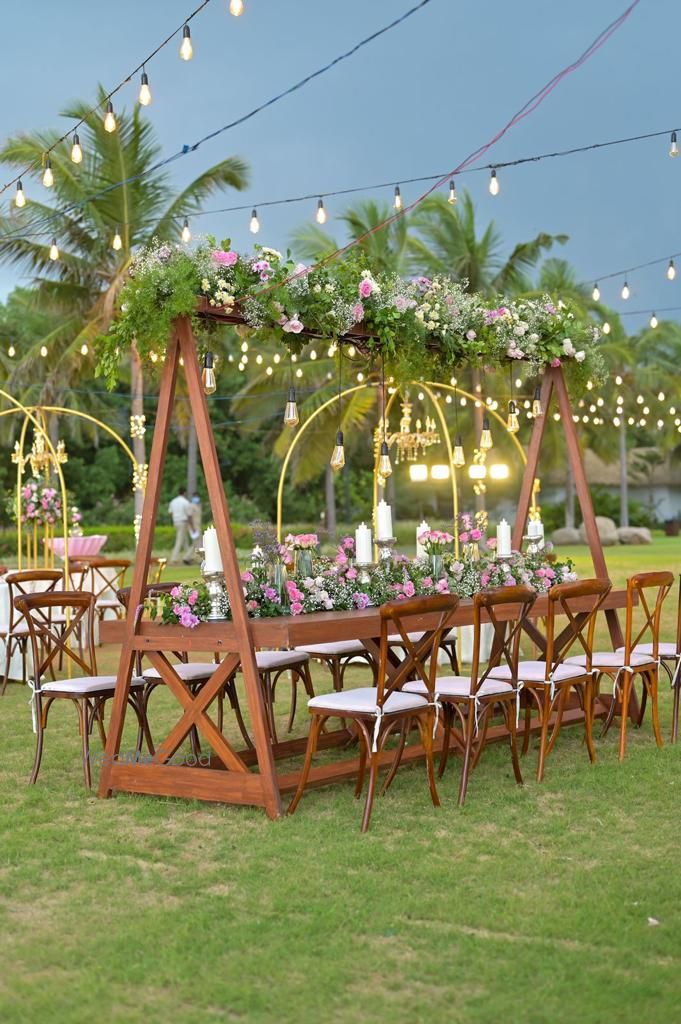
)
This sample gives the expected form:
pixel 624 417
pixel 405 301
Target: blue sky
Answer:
pixel 415 102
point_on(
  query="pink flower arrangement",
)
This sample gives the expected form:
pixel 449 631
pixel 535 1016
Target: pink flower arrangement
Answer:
pixel 366 288
pixel 302 541
pixel 186 605
pixel 435 541
pixel 223 258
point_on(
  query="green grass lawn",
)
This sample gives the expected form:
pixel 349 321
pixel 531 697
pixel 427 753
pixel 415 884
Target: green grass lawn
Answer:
pixel 531 904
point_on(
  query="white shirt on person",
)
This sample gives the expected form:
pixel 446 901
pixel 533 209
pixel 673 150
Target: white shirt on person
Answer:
pixel 180 509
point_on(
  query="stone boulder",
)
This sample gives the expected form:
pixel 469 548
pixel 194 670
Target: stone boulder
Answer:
pixel 566 535
pixel 607 531
pixel 634 535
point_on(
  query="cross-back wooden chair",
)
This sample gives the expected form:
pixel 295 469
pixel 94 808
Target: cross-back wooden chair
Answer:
pixel 646 593
pixel 157 566
pixel 78 574
pixel 107 577
pixel 88 691
pixel 472 699
pixel 377 711
pixel 15 633
pixel 547 684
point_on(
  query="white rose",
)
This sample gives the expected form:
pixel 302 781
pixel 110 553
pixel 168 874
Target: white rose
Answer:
pixel 431 325
pixel 317 288
pixel 580 356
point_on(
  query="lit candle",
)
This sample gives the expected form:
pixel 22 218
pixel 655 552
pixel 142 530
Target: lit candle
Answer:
pixel 384 521
pixel 211 551
pixel 363 545
pixel 503 539
pixel 422 528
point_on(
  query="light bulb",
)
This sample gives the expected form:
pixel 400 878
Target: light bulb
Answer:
pixel 596 293
pixel 20 198
pixel 145 91
pixel 48 176
pixel 512 424
pixel 54 250
pixel 291 418
pixel 385 466
pixel 397 202
pixel 109 118
pixel 653 321
pixel 208 375
pixel 660 398
pixel 254 226
pixel 84 349
pixel 537 408
pixel 76 150
pixel 186 48
pixel 321 212
pixel 338 455
pixel 606 327
pixel 43 351
pixel 625 293
pixel 486 436
pixel 618 381
pixel 117 241
pixel 458 458
pixel 11 351
pixel 236 7
pixel 671 271
pixel 674 147
pixel 493 183
pixel 186 233
pixel 451 198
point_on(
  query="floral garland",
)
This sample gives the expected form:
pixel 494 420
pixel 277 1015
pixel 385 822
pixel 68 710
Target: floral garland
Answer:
pixel 40 505
pixel 424 327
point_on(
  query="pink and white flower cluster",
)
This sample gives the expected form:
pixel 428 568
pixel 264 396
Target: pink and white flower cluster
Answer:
pixel 435 541
pixel 302 541
pixel 40 505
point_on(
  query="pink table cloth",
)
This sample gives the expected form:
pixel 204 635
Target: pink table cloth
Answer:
pixel 79 546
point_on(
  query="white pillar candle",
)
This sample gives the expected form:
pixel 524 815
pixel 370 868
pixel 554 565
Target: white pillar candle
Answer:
pixel 363 545
pixel 503 539
pixel 256 554
pixel 535 528
pixel 422 528
pixel 211 551
pixel 384 521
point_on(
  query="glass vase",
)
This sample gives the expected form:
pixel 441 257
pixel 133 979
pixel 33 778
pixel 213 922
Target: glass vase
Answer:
pixel 278 580
pixel 303 562
pixel 436 566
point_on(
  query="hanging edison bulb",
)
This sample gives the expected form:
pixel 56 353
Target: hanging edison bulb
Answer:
pixel 54 250
pixel 596 293
pixel 626 291
pixel 291 418
pixel 458 458
pixel 537 408
pixel 486 441
pixel 493 183
pixel 236 7
pixel 76 150
pixel 186 48
pixel 671 271
pixel 109 118
pixel 674 146
pixel 48 176
pixel 117 242
pixel 452 197
pixel 653 321
pixel 397 201
pixel 606 327
pixel 512 422
pixel 254 226
pixel 338 455
pixel 186 233
pixel 11 351
pixel 84 349
pixel 208 374
pixel 20 198
pixel 321 212
pixel 145 91
pixel 385 466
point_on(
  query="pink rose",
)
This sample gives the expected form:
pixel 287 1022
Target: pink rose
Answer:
pixel 247 577
pixel 366 288
pixel 464 537
pixel 491 543
pixel 224 259
pixel 358 312
pixel 296 608
pixel 442 586
pixel 293 326
pixel 360 600
pixel 471 335
pixel 427 581
pixel 252 605
pixel 351 574
pixel 193 598
pixel 476 534
pixel 555 362
pixel 409 589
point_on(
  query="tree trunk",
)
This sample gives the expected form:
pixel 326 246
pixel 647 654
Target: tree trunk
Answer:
pixel 569 497
pixel 192 458
pixel 624 479
pixel 330 488
pixel 137 409
pixel 478 416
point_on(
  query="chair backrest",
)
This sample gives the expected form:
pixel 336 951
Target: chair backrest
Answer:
pixel 678 623
pixel 149 590
pixel 649 590
pixel 507 630
pixel 403 618
pixel 29 581
pixel 157 567
pixel 580 603
pixel 78 574
pixel 54 640
pixel 107 574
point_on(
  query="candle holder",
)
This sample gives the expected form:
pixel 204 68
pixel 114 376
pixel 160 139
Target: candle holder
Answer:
pixel 215 584
pixel 364 572
pixel 385 546
pixel 533 544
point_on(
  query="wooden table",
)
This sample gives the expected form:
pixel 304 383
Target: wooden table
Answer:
pixel 229 776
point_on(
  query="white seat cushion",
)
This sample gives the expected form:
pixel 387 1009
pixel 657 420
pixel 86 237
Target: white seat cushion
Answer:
pixel 191 672
pixel 609 659
pixel 396 639
pixel 663 649
pixel 268 660
pixel 535 672
pixel 87 684
pixel 108 602
pixel 341 649
pixel 363 701
pixel 19 629
pixel 458 686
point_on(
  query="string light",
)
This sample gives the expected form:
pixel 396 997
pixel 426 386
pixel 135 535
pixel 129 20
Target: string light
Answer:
pixel 186 48
pixel 596 293
pixel 145 91
pixel 458 455
pixel 254 226
pixel 20 198
pixel 493 183
pixel 54 250
pixel 486 441
pixel 606 327
pixel 236 7
pixel 43 351
pixel 321 212
pixel 208 374
pixel 537 408
pixel 512 423
pixel 84 349
pixel 653 321
pixel 626 292
pixel 452 197
pixel 397 202
pixel 117 241
pixel 660 398
pixel 186 233
pixel 618 380
pixel 76 150
pixel 338 454
pixel 48 176
pixel 109 118
pixel 11 351
pixel 674 147
pixel 671 271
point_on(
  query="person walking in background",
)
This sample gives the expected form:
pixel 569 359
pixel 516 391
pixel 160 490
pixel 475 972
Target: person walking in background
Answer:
pixel 197 515
pixel 181 511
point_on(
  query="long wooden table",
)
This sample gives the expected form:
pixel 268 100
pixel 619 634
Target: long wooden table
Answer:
pixel 228 775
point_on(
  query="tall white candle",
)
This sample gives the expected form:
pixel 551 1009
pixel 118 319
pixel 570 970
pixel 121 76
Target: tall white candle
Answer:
pixel 422 528
pixel 503 539
pixel 534 528
pixel 363 545
pixel 384 521
pixel 211 550
pixel 257 555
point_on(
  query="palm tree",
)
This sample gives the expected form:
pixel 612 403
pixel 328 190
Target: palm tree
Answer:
pixel 84 283
pixel 387 247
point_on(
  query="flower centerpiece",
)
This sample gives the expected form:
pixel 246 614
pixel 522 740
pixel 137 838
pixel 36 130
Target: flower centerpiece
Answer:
pixel 302 545
pixel 186 605
pixel 473 534
pixel 40 505
pixel 435 543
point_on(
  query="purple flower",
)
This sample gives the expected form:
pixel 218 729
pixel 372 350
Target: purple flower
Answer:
pixel 401 303
pixel 271 594
pixel 360 600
